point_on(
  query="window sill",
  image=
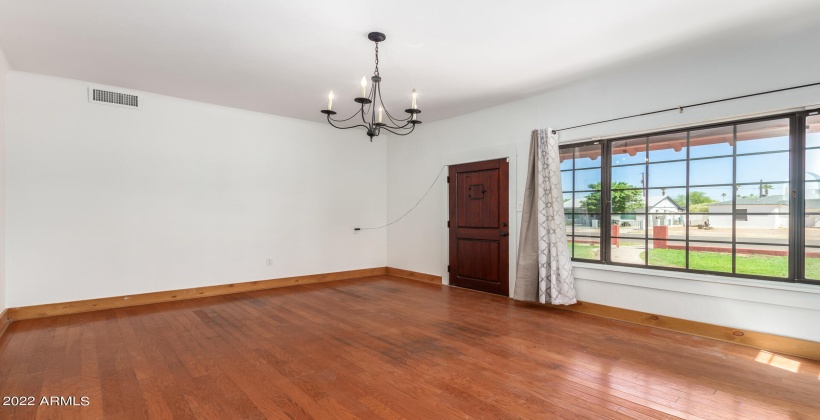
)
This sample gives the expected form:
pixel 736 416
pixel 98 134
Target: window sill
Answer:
pixel 764 284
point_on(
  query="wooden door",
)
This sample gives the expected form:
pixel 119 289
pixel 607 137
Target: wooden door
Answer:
pixel 479 226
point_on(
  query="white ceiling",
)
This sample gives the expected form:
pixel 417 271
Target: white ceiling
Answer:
pixel 282 57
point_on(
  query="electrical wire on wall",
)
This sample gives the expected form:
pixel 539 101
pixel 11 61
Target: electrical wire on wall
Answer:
pixel 411 208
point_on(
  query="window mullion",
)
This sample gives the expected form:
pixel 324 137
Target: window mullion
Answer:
pixel 606 199
pixel 735 193
pixel 646 204
pixel 797 207
pixel 687 204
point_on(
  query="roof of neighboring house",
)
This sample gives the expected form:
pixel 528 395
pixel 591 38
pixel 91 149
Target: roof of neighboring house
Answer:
pixel 756 201
pixel 771 200
pixel 654 201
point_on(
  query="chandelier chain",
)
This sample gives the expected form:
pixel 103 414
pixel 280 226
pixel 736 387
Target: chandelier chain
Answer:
pixel 377 59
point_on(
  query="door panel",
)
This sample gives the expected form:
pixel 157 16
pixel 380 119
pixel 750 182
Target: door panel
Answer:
pixel 483 255
pixel 479 226
pixel 479 201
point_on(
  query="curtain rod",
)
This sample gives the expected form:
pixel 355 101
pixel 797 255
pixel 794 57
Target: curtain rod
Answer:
pixel 681 108
pixel 692 125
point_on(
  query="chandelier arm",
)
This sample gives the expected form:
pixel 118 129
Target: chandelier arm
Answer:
pixel 390 116
pixel 372 111
pixel 398 127
pixel 347 128
pixel 372 97
pixel 395 121
pixel 363 119
pixel 344 128
pixel 401 134
pixel 346 119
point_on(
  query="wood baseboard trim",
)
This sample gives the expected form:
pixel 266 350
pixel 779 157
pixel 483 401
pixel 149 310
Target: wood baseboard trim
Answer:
pixel 65 308
pixel 4 321
pixel 763 341
pixel 413 275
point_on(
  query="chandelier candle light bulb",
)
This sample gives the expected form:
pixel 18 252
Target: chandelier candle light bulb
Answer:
pixel 380 114
pixel 330 101
pixel 364 87
pixel 413 104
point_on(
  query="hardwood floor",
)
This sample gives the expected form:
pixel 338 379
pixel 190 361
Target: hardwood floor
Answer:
pixel 385 347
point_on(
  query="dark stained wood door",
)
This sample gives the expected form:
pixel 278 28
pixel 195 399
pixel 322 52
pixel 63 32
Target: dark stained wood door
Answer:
pixel 479 226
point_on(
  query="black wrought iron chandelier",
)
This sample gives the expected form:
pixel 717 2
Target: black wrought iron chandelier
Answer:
pixel 371 118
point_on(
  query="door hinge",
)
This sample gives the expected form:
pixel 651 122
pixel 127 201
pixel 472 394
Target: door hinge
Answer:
pixel 448 179
pixel 448 223
pixel 448 268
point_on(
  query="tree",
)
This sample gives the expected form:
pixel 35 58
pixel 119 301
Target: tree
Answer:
pixel 623 200
pixel 698 201
pixel 699 208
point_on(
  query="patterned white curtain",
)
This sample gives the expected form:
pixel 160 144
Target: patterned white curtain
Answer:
pixel 544 270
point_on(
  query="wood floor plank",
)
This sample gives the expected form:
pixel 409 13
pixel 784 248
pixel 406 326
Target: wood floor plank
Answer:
pixel 383 347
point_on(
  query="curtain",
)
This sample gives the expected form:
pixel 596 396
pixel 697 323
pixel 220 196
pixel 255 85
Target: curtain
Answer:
pixel 544 271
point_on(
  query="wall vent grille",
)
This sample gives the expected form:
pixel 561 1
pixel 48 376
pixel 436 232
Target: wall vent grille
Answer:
pixel 113 98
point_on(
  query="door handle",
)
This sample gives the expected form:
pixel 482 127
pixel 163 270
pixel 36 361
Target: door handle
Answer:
pixel 504 234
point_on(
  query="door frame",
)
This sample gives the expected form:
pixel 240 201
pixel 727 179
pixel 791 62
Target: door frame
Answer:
pixel 502 151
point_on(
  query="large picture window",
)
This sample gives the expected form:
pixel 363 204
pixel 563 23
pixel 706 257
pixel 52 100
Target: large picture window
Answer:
pixel 715 199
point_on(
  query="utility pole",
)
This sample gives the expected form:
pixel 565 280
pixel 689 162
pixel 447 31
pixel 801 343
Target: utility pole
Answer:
pixel 643 185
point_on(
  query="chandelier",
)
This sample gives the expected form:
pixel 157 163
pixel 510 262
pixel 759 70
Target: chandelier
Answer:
pixel 373 120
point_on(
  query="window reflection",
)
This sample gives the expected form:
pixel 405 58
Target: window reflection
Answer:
pixel 627 152
pixel 667 147
pixel 711 142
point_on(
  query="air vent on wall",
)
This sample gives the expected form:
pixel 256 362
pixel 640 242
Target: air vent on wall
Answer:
pixel 108 97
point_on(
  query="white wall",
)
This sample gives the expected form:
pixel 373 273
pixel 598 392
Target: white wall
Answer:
pixel 769 59
pixel 106 201
pixel 4 70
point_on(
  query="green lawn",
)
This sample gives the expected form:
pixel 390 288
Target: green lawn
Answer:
pixel 813 268
pixel 760 265
pixel 585 251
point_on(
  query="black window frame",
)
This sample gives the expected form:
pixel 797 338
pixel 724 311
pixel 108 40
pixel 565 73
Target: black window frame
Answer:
pixel 571 234
pixel 801 195
pixel 797 246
